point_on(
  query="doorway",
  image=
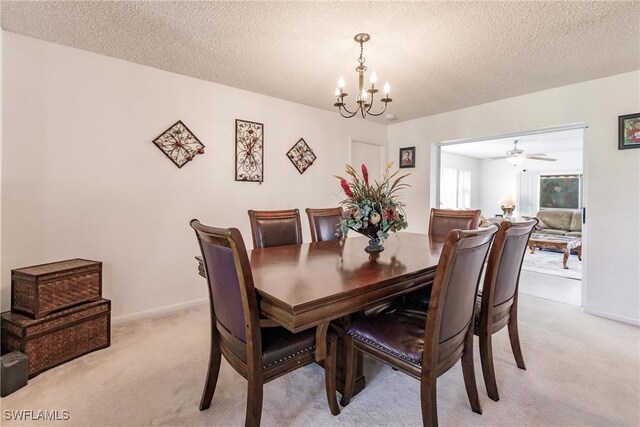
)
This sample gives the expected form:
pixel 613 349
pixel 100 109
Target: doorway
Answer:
pixel 540 172
pixel 372 154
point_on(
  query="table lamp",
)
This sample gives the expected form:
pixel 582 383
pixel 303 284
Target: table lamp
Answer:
pixel 507 204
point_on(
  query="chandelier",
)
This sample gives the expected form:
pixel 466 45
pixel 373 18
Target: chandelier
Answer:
pixel 363 104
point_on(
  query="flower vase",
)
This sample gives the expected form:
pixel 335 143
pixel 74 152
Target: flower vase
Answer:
pixel 375 244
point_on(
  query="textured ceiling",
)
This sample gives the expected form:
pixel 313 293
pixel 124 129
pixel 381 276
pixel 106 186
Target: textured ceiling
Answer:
pixel 437 56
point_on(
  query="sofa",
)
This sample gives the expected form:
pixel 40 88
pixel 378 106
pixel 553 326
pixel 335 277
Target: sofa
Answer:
pixel 560 222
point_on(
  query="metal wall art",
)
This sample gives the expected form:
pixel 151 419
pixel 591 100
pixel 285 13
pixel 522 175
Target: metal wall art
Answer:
pixel 179 144
pixel 301 155
pixel 249 151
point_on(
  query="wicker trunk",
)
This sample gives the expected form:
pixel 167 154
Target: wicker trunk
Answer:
pixel 44 289
pixel 59 337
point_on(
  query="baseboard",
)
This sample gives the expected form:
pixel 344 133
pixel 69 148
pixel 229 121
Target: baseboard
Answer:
pixel 606 315
pixel 158 311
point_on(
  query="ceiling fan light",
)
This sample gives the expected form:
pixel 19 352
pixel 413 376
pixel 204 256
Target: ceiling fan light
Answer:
pixel 514 160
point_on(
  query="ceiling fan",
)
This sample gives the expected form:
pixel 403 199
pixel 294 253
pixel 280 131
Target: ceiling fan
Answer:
pixel 516 156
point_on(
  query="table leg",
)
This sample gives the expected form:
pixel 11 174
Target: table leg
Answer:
pixel 340 368
pixel 565 258
pixel 533 248
pixel 580 253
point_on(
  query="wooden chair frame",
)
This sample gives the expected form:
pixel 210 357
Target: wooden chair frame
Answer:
pixel 222 341
pixel 507 312
pixel 313 213
pixel 460 346
pixel 473 215
pixel 255 216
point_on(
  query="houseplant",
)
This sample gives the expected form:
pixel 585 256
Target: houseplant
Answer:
pixel 372 209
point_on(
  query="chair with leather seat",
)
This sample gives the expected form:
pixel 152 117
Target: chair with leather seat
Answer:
pixel 442 221
pixel 324 224
pixel 256 348
pixel 497 306
pixel 426 343
pixel 275 228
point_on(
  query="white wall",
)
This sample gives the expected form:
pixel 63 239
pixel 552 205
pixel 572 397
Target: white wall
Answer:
pixel 2 299
pixel 497 179
pixel 612 272
pixel 81 177
pixel 457 161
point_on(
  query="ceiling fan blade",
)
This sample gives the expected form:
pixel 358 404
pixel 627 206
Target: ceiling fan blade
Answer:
pixel 535 154
pixel 547 159
pixel 498 158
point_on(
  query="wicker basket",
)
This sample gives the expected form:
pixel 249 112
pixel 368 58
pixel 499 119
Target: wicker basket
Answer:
pixel 44 289
pixel 59 337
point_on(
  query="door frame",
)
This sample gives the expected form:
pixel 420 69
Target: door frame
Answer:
pixel 382 146
pixel 436 149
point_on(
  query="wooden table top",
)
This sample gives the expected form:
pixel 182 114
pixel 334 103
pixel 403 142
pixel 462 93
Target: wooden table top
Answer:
pixel 305 285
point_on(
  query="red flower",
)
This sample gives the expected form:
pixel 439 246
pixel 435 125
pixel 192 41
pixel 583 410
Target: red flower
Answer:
pixel 365 174
pixel 345 187
pixel 389 214
pixel 201 151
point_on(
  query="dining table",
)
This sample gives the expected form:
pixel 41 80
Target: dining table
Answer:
pixel 322 283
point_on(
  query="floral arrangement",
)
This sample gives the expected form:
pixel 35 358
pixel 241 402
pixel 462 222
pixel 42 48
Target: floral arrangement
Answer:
pixel 372 209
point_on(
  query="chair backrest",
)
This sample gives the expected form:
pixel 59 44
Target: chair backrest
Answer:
pixel 442 221
pixel 505 261
pixel 232 295
pixel 452 303
pixel 324 224
pixel 275 228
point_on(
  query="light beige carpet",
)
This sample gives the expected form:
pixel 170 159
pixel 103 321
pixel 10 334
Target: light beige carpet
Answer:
pixel 582 370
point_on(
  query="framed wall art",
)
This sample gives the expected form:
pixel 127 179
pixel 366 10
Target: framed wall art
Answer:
pixel 179 144
pixel 629 131
pixel 561 191
pixel 301 155
pixel 249 151
pixel 407 157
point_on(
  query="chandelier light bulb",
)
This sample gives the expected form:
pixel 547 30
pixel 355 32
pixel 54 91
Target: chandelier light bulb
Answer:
pixel 341 82
pixel 373 78
pixel 387 88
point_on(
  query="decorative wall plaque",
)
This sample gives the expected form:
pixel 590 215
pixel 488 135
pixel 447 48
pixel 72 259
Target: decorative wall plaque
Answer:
pixel 179 144
pixel 249 151
pixel 301 155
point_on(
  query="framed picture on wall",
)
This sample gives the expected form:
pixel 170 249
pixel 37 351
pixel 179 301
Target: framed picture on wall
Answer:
pixel 629 131
pixel 561 191
pixel 407 157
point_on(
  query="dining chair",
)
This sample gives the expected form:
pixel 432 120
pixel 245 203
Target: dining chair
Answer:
pixel 257 348
pixel 497 306
pixel 442 221
pixel 275 228
pixel 426 343
pixel 324 224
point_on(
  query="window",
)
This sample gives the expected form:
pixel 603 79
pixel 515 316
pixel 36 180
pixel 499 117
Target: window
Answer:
pixel 560 191
pixel 455 188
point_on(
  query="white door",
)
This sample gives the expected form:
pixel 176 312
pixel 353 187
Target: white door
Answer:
pixel 370 154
